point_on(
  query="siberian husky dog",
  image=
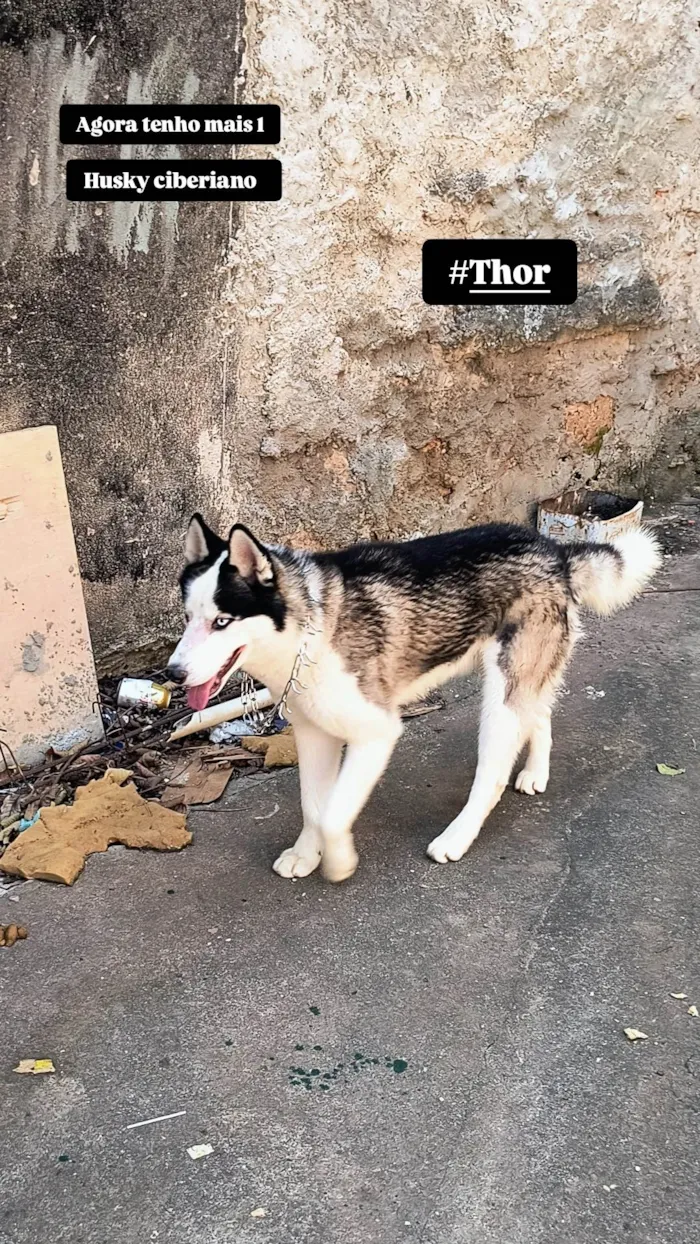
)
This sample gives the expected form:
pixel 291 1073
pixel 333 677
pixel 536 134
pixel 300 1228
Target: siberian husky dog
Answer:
pixel 382 624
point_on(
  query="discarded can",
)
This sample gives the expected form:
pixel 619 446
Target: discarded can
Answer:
pixel 142 693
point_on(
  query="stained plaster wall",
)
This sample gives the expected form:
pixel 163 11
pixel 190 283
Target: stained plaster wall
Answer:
pixel 275 362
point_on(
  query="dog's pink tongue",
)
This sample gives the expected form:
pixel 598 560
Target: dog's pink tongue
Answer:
pixel 198 697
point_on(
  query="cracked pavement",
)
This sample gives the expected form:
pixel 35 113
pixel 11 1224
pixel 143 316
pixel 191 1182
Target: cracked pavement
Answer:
pixel 426 1054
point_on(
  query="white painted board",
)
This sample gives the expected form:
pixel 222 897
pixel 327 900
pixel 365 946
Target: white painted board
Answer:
pixel 48 686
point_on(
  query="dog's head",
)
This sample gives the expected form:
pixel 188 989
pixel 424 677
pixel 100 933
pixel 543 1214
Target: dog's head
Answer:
pixel 233 606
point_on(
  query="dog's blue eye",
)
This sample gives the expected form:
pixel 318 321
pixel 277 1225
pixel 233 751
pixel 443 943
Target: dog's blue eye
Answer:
pixel 220 624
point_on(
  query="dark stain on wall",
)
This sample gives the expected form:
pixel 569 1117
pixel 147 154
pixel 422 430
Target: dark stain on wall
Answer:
pixel 635 305
pixel 132 31
pixel 120 347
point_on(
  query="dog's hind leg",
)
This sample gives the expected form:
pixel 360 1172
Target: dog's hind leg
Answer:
pixel 319 761
pixel 501 732
pixel 544 673
pixel 533 778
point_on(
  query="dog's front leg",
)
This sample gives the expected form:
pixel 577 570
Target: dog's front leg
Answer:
pixel 319 760
pixel 361 770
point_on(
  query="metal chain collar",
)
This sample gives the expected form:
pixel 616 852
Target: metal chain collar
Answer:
pixel 259 722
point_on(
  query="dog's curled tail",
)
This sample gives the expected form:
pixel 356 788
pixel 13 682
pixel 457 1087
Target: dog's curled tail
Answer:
pixel 606 577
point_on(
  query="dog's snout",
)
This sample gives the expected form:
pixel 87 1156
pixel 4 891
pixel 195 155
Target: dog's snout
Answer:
pixel 176 673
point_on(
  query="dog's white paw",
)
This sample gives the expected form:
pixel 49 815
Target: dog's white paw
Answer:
pixel 291 864
pixel 339 861
pixel 530 782
pixel 449 846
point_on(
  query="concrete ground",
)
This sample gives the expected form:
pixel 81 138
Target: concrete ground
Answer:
pixel 424 1055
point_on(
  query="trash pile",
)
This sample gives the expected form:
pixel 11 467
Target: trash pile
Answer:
pixel 134 787
pixel 139 717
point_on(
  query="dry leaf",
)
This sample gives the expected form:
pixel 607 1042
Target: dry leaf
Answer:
pixel 633 1034
pixel 669 770
pixel 196 783
pixel 34 1066
pixel 680 996
pixel 693 1010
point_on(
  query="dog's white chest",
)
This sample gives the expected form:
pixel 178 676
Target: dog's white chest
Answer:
pixel 331 698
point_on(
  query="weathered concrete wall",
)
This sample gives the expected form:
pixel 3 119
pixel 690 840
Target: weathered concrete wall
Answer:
pixel 302 384
pixel 377 414
pixel 110 313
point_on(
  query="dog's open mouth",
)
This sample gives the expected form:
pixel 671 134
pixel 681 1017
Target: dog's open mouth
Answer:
pixel 199 697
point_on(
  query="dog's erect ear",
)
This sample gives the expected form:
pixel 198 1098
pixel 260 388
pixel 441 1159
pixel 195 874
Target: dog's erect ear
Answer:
pixel 201 541
pixel 248 557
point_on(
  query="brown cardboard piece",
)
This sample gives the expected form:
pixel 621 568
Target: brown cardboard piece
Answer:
pixel 48 687
pixel 105 811
pixel 279 750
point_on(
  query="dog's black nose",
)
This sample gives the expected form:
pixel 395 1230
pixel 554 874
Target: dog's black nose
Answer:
pixel 176 673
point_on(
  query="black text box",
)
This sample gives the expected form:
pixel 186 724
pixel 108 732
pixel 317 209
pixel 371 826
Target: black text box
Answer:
pixel 167 181
pixel 507 272
pixel 174 123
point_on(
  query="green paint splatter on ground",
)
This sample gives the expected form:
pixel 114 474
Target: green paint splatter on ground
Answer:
pixel 300 1077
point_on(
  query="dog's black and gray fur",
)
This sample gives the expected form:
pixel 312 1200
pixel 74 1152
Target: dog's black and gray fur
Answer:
pixel 384 623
